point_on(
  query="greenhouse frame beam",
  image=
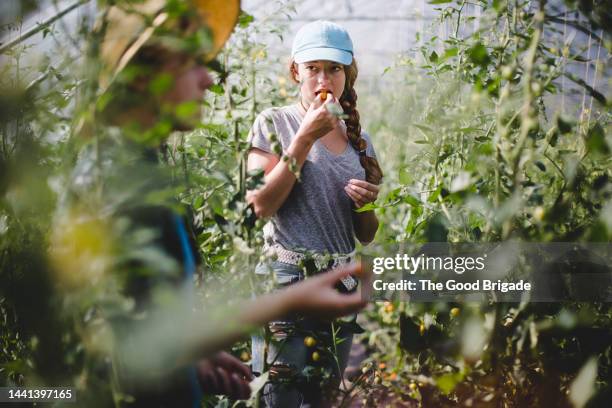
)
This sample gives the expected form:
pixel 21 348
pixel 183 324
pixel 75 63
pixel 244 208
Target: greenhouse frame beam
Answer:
pixel 360 18
pixel 41 26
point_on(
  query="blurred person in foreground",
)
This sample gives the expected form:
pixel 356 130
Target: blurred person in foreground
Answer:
pixel 122 246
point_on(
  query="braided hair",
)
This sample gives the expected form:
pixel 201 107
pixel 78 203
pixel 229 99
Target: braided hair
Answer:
pixel 348 101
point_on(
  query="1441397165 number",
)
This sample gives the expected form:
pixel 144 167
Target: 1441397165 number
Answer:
pixel 17 394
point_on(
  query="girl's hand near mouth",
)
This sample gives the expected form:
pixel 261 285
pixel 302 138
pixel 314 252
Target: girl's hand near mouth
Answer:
pixel 331 103
pixel 318 120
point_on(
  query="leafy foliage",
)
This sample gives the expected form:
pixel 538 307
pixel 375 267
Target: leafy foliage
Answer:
pixel 495 135
pixel 495 145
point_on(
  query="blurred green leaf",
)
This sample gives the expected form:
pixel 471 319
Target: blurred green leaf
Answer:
pixel 404 176
pixel 433 56
pixel 187 110
pixel 478 55
pixel 596 140
pixel 583 386
pixel 245 19
pixel 161 84
pixel 217 89
pixel 447 382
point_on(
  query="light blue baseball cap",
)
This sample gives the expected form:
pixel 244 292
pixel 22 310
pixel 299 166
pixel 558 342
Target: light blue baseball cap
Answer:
pixel 322 40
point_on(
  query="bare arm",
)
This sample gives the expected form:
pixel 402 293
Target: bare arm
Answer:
pixel 175 336
pixel 224 374
pixel 366 225
pixel 279 179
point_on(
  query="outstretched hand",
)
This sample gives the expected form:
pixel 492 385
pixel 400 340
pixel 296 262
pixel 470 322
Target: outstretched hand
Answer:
pixel 318 296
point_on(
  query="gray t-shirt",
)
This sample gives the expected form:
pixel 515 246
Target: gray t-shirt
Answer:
pixel 317 214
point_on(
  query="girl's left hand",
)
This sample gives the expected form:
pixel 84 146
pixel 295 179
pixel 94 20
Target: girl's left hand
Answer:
pixel 361 192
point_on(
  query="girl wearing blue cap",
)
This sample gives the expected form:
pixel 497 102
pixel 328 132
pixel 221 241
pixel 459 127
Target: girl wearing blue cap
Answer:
pixel 325 169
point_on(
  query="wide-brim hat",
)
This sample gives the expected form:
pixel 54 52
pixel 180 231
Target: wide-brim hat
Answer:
pixel 130 24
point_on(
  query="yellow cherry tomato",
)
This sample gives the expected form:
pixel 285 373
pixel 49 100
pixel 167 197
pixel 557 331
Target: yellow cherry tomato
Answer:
pixel 538 214
pixel 310 341
pixel 455 311
pixel 413 386
pixel 422 329
pixel 315 356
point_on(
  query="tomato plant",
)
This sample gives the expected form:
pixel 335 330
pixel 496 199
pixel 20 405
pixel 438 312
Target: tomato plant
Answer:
pixel 498 131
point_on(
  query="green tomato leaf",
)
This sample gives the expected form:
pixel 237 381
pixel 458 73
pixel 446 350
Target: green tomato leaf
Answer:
pixel 478 55
pixel 447 382
pixel 596 140
pixel 217 89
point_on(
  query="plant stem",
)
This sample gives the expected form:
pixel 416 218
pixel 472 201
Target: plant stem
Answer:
pixel 40 27
pixel 528 95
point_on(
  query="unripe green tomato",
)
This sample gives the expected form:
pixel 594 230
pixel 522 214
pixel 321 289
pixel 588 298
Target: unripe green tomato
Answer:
pixel 277 148
pixel 507 72
pixel 536 88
